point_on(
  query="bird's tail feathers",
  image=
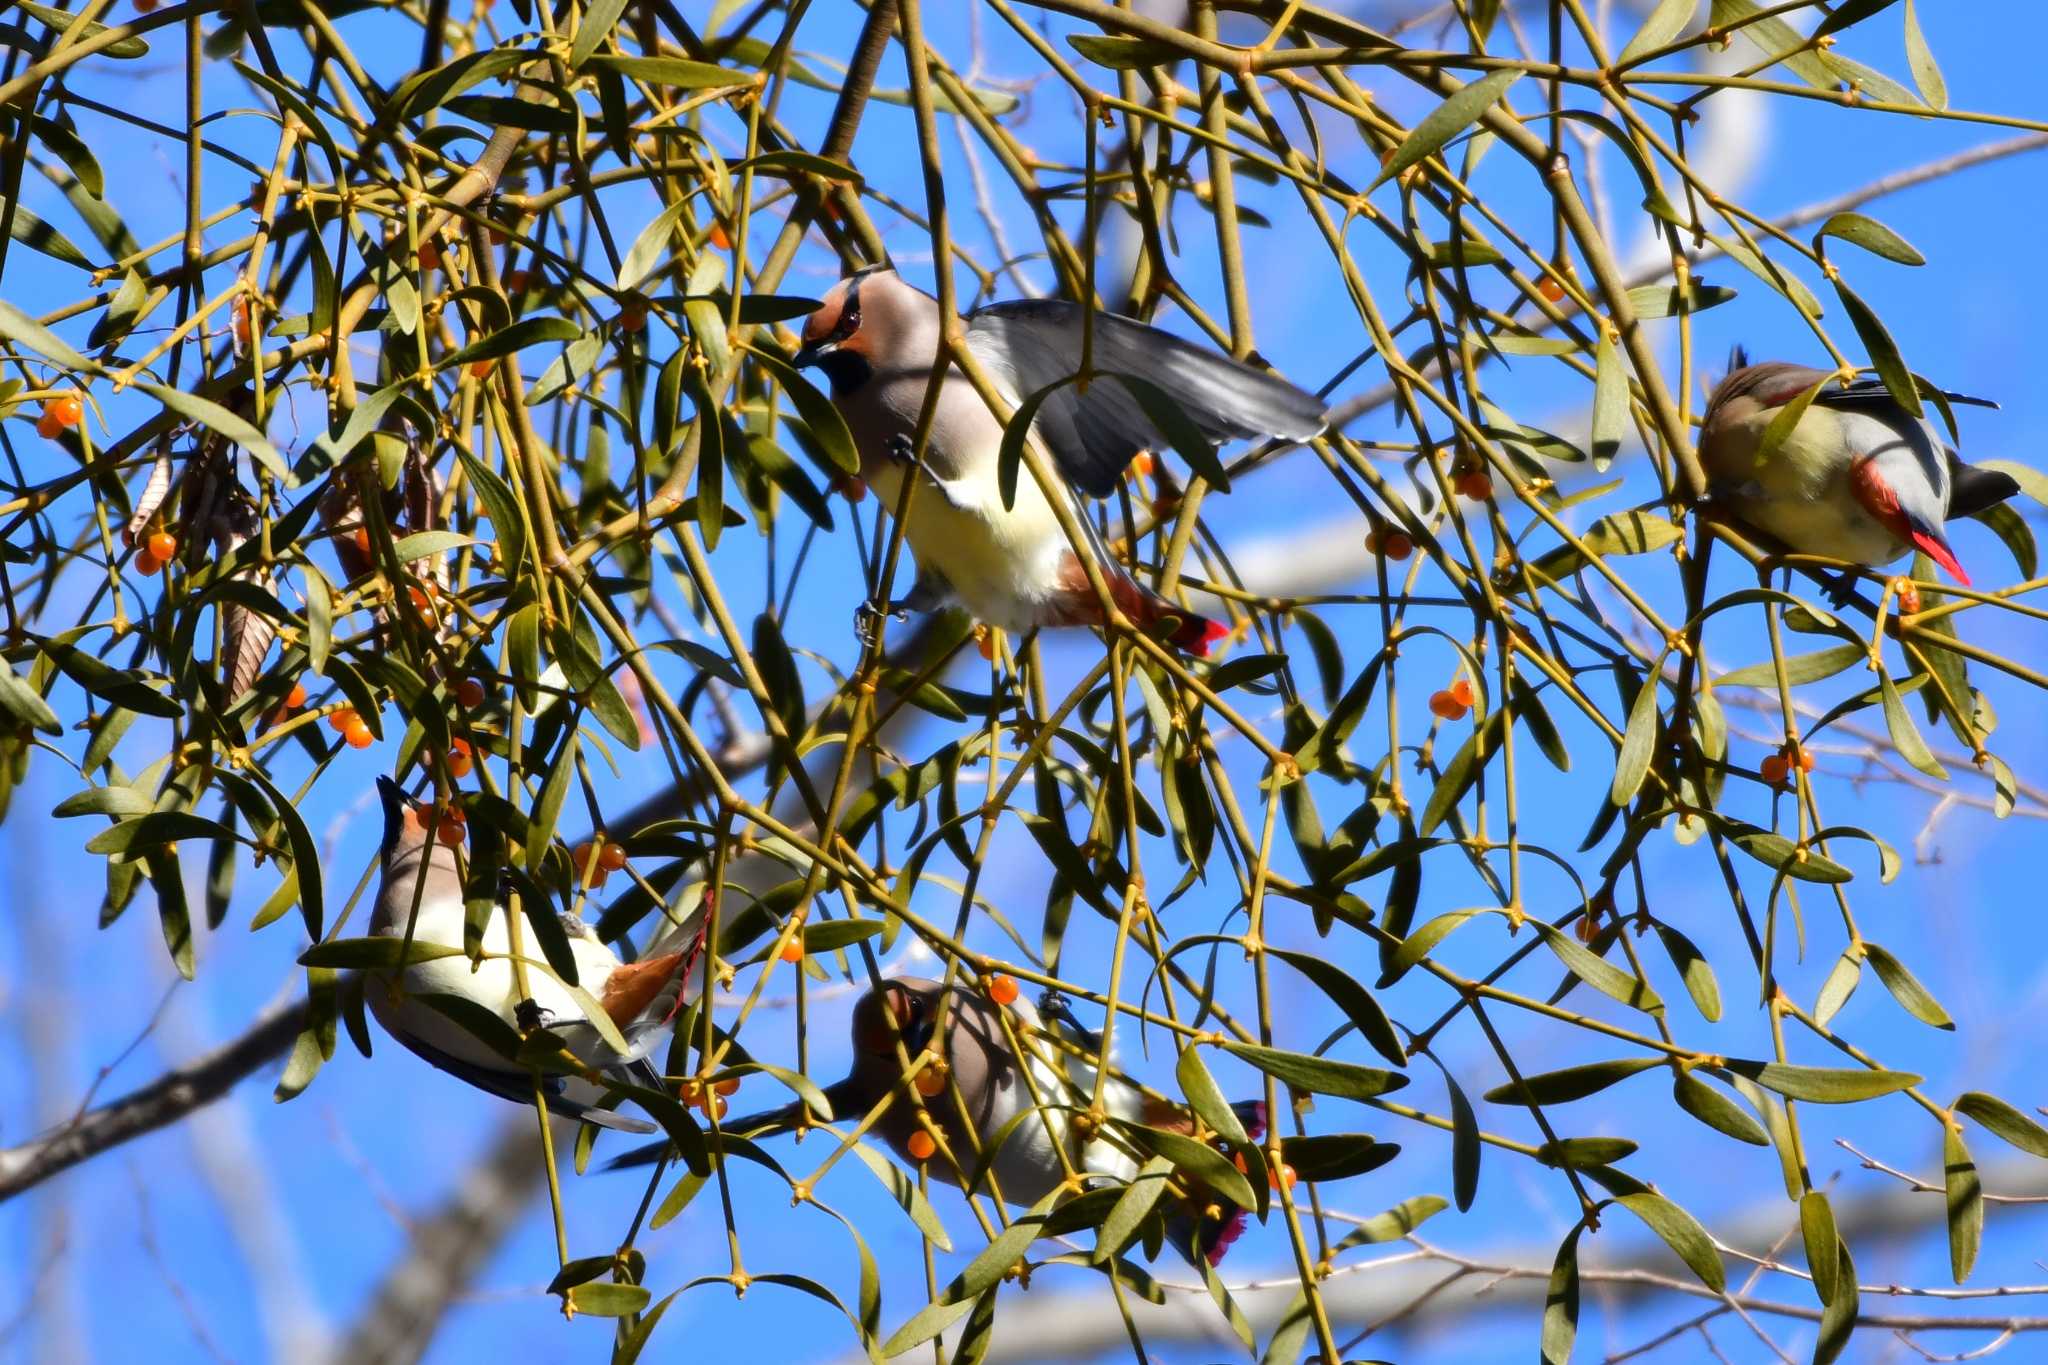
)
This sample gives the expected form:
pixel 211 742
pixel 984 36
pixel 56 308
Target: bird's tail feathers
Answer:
pixel 1204 1230
pixel 1191 633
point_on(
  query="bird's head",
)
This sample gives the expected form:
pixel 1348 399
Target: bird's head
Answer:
pixel 841 337
pixel 407 831
pixel 905 1007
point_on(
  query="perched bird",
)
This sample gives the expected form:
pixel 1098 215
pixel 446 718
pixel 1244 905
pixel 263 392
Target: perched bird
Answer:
pixel 1858 478
pixel 993 1094
pixel 876 338
pixel 423 888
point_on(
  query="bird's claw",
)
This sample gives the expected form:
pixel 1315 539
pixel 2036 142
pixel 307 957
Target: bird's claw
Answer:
pixel 530 1017
pixel 868 618
pixel 900 449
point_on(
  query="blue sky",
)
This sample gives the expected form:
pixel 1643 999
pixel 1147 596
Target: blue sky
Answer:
pixel 334 1171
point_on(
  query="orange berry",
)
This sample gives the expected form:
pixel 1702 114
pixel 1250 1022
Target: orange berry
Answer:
pixel 147 563
pixel 1462 693
pixel 164 546
pixel 1002 989
pixel 358 735
pixel 516 281
pixel 633 316
pixel 1586 928
pixel 718 238
pixel 729 1086
pixel 342 719
pixel 48 427
pixel 456 813
pixel 145 6
pixel 1550 289
pixel 852 489
pixel 921 1146
pixel 362 539
pixel 793 951
pixel 985 641
pixel 65 410
pixel 469 692
pixel 459 762
pixel 1908 594
pixel 712 1104
pixel 584 862
pixel 1164 507
pixel 297 696
pixel 1775 769
pixel 481 369
pixel 611 857
pixel 1141 463
pixel 430 255
pixel 1805 760
pixel 930 1082
pixel 1475 486
pixel 1446 707
pixel 1280 1175
pixel 448 831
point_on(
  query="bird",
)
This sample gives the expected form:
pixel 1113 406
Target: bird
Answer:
pixel 1858 478
pixel 995 1099
pixel 875 337
pixel 422 894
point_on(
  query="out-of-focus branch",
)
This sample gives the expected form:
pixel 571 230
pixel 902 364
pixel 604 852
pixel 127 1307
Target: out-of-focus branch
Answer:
pixel 447 1249
pixel 1412 1284
pixel 165 1100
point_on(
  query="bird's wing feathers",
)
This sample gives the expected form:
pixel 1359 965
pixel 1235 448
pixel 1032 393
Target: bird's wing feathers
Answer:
pixel 517 1086
pixel 1093 434
pixel 1972 490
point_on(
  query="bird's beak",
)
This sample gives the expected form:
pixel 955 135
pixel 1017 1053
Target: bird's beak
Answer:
pixel 812 352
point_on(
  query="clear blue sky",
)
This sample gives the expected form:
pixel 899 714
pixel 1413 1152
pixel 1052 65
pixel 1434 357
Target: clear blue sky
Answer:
pixel 151 1256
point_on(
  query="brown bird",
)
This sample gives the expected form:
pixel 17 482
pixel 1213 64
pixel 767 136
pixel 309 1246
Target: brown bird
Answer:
pixel 1858 478
pixel 1013 567
pixel 995 1098
pixel 422 887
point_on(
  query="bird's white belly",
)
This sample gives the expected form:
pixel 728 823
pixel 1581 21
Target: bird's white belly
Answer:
pixel 491 983
pixel 1804 498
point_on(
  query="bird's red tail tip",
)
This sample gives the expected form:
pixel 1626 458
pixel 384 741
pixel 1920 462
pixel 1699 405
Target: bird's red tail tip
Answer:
pixel 1196 634
pixel 1938 551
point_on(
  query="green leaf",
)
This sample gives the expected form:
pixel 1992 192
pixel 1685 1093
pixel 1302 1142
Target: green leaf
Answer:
pixel 1926 72
pixel 1638 742
pixel 61 21
pixel 1120 53
pixel 1561 1303
pixel 1582 1152
pixel 1205 1097
pixel 1824 1084
pixel 1320 1075
pixel 376 954
pixel 1695 970
pixel 1463 770
pixel 1779 429
pixel 829 935
pixel 1571 1083
pixel 1395 1223
pixel 1466 1147
pixel 1838 1322
pixel 826 426
pixel 1133 1206
pixel 31 231
pixel 2004 1122
pixel 1187 440
pixel 1778 852
pixel 426 90
pixel 16 325
pixel 1598 972
pixel 1817 1229
pixel 649 248
pixel 513 339
pixel 1799 668
pixel 1872 236
pixel 1610 403
pixel 1445 122
pixel 1716 1110
pixel 608 1300
pixel 1905 734
pixel 1913 997
pixel 593 28
pixel 1965 1203
pixel 1884 352
pixel 1622 533
pixel 1336 1156
pixel 222 422
pixel 1661 29
pixel 1682 1233
pixel 155 830
pixel 1668 300
pixel 1010 454
pixel 1351 996
pixel 1423 941
pixel 674 71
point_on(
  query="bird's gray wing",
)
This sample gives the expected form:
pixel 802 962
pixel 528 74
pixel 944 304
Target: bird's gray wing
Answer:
pixel 1868 393
pixel 517 1086
pixel 1092 435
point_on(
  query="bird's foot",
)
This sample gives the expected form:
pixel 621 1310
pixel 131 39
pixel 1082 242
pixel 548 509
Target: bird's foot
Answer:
pixel 868 617
pixel 1839 589
pixel 900 449
pixel 530 1017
